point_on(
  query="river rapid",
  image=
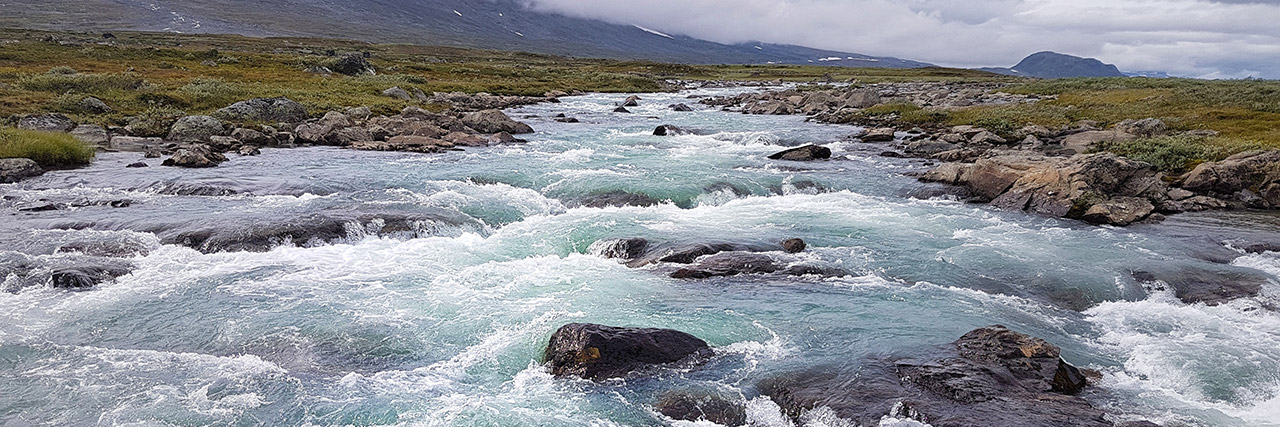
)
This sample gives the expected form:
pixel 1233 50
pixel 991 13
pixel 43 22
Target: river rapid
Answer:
pixel 445 322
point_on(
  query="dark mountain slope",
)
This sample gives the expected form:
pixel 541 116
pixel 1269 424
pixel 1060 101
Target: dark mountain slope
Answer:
pixel 1052 65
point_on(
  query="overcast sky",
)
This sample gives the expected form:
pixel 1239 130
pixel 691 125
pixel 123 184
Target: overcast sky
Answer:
pixel 1196 38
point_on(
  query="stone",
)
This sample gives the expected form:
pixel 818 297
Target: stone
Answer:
pixel 729 264
pixel 14 170
pixel 1088 141
pixel 861 98
pixel 52 122
pixel 92 134
pixel 494 121
pixel 1210 286
pixel 263 110
pixel 135 144
pixel 397 93
pixel 803 153
pixel 695 405
pixel 1148 127
pixel 353 65
pixel 1252 171
pixel 987 138
pixel 680 108
pixel 195 156
pixel 195 129
pixel 622 110
pixel 793 246
pixel 599 352
pixel 624 249
pixel 359 113
pixel 137 165
pixel 631 101
pixel 618 199
pixel 252 137
pixel 1119 211
pixel 249 150
pixel 84 277
pixel 669 130
pixel 878 135
pixel 94 106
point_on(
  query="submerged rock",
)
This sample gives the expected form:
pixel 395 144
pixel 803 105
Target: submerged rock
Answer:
pixel 687 253
pixel 52 122
pixel 669 130
pixel 618 199
pixel 990 376
pixel 625 249
pixel 195 156
pixel 793 246
pixel 697 405
pixel 87 276
pixel 680 108
pixel 1201 285
pixel 599 352
pixel 494 121
pixel 804 153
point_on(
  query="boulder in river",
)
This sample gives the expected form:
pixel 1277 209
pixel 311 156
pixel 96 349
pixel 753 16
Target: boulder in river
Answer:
pixel 803 153
pixel 494 121
pixel 92 135
pixel 195 156
pixel 878 135
pixel 625 249
pixel 793 246
pixel 599 352
pixel 990 376
pixel 622 110
pixel 618 199
pixel 264 110
pixel 680 108
pixel 86 276
pixel 14 170
pixel 699 405
pixel 631 101
pixel 670 130
pixel 1209 286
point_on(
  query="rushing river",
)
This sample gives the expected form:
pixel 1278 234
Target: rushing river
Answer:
pixel 448 328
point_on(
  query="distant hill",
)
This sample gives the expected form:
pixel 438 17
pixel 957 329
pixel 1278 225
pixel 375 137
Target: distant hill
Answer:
pixel 1052 65
pixel 486 24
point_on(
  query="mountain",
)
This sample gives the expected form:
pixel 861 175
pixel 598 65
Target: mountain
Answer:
pixel 1053 65
pixel 486 24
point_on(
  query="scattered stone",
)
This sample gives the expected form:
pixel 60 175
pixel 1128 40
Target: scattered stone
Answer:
pixel 632 101
pixel 803 153
pixel 622 110
pixel 137 165
pixel 195 156
pixel 397 93
pixel 52 122
pixel 249 150
pixel 987 138
pixel 599 352
pixel 353 65
pixel 135 144
pixel 687 405
pixel 878 135
pixel 91 134
pixel 1251 178
pixel 252 137
pixel 494 121
pixel 359 113
pixel 1119 211
pixel 680 108
pixel 94 106
pixel 14 170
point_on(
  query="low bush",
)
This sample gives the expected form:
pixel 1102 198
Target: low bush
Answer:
pixel 80 83
pixel 49 149
pixel 1180 153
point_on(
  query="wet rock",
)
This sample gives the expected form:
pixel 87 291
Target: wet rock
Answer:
pixel 680 108
pixel 892 154
pixel 195 156
pixel 407 143
pixel 84 277
pixel 730 264
pixel 137 165
pixel 793 246
pixel 624 249
pixel 1202 285
pixel 264 110
pixel 631 101
pixel 53 122
pixel 697 405
pixel 252 137
pixel 990 376
pixel 600 352
pixel 193 189
pixel 92 134
pixel 1252 173
pixel 265 233
pixel 494 121
pixel 14 170
pixel 618 199
pixel 195 129
pixel 622 110
pixel 1119 211
pixel 223 144
pixel 878 135
pixel 669 130
pixel 687 253
pixel 568 120
pixel 249 150
pixel 804 153
pixel 1193 204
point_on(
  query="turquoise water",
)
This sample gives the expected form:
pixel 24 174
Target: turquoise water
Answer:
pixel 448 328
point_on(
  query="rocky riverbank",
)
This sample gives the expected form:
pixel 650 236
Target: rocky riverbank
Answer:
pixel 1059 172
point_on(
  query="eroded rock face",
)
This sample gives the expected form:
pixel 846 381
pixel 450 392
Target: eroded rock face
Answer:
pixel 14 170
pixel 598 352
pixel 1102 188
pixel 804 153
pixel 1251 178
pixel 698 405
pixel 618 199
pixel 990 376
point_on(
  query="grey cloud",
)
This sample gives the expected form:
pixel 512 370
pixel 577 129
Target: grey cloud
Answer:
pixel 1198 38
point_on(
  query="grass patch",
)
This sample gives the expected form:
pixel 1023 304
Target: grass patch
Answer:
pixel 1178 154
pixel 48 149
pixel 58 82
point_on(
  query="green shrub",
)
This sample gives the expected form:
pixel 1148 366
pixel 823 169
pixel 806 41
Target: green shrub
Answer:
pixel 62 70
pixel 81 83
pixel 49 149
pixel 1179 153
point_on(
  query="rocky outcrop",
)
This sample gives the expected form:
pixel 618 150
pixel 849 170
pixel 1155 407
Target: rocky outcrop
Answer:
pixel 14 170
pixel 195 129
pixel 990 376
pixel 670 130
pixel 803 153
pixel 793 246
pixel 1101 188
pixel 263 110
pixel 734 263
pixel 195 156
pixel 53 122
pixel 617 199
pixel 92 135
pixel 1193 285
pixel 599 352
pixel 1250 178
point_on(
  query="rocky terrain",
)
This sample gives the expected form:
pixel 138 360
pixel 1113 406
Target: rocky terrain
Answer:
pixel 1059 172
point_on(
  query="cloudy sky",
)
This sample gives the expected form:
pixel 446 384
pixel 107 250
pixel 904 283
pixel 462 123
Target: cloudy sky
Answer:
pixel 1196 38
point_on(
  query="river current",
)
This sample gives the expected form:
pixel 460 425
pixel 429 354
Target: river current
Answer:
pixel 446 324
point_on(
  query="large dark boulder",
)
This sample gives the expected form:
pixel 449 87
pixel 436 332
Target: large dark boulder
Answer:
pixel 195 156
pixel 599 352
pixel 85 276
pixel 804 153
pixel 990 376
pixel 1206 286
pixel 670 130
pixel 353 65
pixel 687 253
pixel 264 110
pixel 698 405
pixel 14 170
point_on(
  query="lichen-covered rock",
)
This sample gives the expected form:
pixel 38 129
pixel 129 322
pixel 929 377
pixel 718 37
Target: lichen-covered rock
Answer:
pixel 53 122
pixel 195 129
pixel 195 156
pixel 263 110
pixel 1251 178
pixel 14 170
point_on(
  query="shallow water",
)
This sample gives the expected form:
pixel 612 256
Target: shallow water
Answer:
pixel 448 328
